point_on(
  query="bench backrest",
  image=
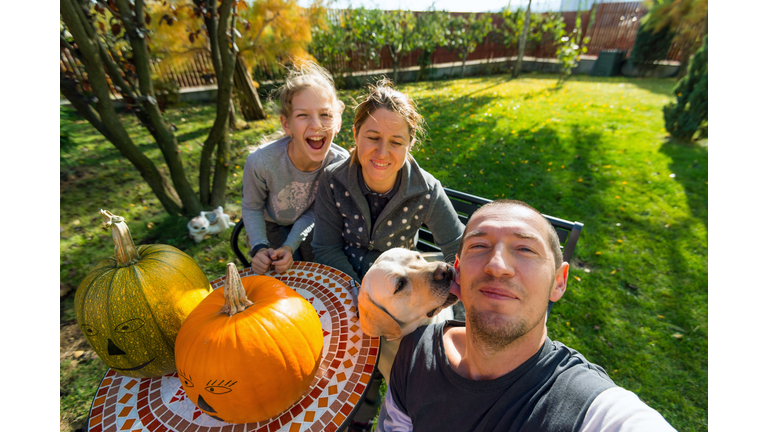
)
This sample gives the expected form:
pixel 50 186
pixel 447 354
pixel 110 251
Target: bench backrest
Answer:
pixel 466 204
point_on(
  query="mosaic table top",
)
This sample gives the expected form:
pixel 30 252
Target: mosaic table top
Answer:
pixel 349 358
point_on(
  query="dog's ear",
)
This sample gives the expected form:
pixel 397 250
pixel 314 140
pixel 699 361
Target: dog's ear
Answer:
pixel 374 321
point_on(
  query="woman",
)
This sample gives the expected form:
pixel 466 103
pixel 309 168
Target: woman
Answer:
pixel 379 197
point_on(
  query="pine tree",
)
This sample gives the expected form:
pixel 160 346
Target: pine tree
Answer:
pixel 688 114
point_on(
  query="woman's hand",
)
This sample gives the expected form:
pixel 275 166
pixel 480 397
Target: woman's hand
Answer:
pixel 261 261
pixel 282 258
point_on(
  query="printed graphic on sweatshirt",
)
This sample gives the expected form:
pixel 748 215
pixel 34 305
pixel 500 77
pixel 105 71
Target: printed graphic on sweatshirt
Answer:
pixel 291 198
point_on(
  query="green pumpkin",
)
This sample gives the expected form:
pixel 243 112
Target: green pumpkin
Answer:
pixel 130 307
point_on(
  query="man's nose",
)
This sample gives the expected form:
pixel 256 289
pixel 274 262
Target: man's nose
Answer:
pixel 500 263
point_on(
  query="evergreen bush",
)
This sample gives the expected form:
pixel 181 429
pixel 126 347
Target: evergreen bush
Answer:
pixel 688 114
pixel 650 46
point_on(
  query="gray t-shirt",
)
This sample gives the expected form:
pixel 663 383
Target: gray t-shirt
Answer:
pixel 275 190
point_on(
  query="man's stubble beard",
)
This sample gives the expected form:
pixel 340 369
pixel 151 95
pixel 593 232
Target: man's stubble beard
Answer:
pixel 493 332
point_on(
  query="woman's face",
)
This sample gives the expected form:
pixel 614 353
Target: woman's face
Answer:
pixel 382 144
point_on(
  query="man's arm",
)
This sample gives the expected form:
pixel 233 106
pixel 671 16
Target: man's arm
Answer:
pixel 618 409
pixel 391 419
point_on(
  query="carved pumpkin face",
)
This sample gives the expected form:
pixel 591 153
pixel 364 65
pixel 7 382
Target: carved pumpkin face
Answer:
pixel 255 364
pixel 131 315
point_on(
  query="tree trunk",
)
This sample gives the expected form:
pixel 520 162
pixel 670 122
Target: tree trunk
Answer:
pixel 250 104
pixel 103 117
pixel 521 41
pixel 464 55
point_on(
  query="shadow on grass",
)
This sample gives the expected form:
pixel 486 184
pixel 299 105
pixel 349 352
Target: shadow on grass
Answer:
pixel 690 165
pixel 660 86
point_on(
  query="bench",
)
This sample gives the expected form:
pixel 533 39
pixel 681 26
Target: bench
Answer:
pixel 464 204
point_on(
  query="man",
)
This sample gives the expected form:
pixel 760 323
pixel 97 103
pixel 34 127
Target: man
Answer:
pixel 500 371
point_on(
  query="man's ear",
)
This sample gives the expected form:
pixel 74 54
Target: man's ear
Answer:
pixel 561 281
pixel 374 321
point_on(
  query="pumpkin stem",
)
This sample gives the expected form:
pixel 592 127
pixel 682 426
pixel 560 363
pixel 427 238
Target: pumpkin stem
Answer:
pixel 235 299
pixel 125 251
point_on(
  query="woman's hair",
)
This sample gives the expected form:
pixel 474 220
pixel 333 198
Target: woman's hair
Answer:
pixel 384 95
pixel 302 76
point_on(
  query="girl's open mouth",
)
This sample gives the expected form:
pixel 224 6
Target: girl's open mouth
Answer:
pixel 316 143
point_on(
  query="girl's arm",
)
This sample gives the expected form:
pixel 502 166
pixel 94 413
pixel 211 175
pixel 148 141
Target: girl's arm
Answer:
pixel 254 200
pixel 444 224
pixel 327 242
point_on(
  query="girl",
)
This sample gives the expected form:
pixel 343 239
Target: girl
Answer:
pixel 378 198
pixel 280 178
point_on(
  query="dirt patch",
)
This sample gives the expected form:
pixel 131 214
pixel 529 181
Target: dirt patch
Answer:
pixel 73 345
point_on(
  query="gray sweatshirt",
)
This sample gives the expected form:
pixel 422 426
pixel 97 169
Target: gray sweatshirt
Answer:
pixel 275 190
pixel 344 238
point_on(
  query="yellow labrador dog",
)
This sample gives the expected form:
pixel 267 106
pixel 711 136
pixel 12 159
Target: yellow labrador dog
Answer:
pixel 399 293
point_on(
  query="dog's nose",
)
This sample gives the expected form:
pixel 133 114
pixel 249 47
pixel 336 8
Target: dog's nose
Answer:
pixel 443 271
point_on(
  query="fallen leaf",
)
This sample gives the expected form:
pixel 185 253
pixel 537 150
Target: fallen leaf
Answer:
pixel 597 327
pixel 598 253
pixel 78 353
pixel 613 272
pixel 677 335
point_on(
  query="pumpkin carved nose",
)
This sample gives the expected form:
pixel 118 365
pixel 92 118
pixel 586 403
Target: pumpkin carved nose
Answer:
pixel 202 404
pixel 113 349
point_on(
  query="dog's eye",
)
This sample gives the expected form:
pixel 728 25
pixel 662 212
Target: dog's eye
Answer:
pixel 400 285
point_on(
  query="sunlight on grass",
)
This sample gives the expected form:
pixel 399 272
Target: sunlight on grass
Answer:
pixel 594 151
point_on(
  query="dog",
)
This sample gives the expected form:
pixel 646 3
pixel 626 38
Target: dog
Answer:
pixel 212 222
pixel 400 292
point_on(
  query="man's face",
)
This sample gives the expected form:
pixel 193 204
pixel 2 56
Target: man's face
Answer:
pixel 506 274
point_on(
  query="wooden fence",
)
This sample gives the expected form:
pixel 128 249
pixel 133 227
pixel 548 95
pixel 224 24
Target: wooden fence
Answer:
pixel 614 27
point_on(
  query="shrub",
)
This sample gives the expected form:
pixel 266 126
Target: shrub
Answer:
pixel 650 46
pixel 688 114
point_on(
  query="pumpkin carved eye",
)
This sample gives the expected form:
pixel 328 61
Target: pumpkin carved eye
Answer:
pixel 90 330
pixel 130 326
pixel 218 389
pixel 186 381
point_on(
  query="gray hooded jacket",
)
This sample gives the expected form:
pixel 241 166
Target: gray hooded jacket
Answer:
pixel 344 238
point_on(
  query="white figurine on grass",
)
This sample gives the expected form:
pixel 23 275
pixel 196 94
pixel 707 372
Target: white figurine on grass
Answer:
pixel 208 223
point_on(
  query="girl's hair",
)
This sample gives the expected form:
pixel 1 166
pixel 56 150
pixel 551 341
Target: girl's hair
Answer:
pixel 384 95
pixel 302 76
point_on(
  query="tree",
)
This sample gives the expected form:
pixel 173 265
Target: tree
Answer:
pixel 339 34
pixel 521 41
pixel 650 46
pixel 688 114
pixel 109 38
pixel 464 34
pixel 431 25
pixel 398 29
pixel 570 48
pixel 270 32
pixel 687 18
pixel 521 27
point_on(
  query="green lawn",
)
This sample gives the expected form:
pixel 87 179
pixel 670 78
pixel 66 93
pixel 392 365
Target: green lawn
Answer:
pixel 593 151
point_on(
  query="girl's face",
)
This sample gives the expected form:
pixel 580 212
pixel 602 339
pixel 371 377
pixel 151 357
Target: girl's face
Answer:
pixel 313 124
pixel 382 144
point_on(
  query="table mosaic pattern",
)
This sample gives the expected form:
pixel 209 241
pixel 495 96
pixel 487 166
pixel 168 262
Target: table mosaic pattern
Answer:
pixel 349 357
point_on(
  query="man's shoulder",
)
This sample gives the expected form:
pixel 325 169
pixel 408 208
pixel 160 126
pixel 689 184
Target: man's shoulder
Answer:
pixel 576 362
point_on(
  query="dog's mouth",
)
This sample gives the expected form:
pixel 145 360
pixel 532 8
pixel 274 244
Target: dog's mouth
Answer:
pixel 448 303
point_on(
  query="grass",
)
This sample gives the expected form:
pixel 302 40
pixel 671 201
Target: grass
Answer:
pixel 593 151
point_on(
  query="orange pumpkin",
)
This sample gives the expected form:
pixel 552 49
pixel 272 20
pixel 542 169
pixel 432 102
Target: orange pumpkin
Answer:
pixel 249 350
